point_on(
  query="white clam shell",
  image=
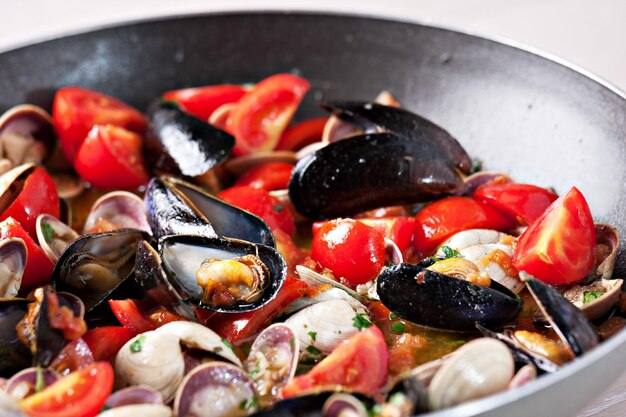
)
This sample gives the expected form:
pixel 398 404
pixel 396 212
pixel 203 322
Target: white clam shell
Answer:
pixel 481 256
pixel 13 256
pixel 480 368
pixel 136 410
pixel 472 237
pixel 62 237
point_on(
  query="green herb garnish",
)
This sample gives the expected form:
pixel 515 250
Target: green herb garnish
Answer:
pixel 397 399
pixel 256 370
pixel 292 343
pixel 397 327
pixel 313 350
pixel 393 316
pixel 450 253
pixel 453 342
pixel 230 346
pixel 136 346
pixel 249 403
pixel 48 232
pixel 40 384
pixel 313 335
pixel 477 165
pixel 375 410
pixel 360 321
pixel 589 296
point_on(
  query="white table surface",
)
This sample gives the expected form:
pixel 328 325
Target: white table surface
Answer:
pixel 588 33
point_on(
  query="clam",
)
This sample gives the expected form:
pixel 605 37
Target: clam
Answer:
pixel 461 269
pixel 526 374
pixel 155 358
pixel 406 398
pixel 54 236
pixel 316 279
pixel 10 406
pixel 343 405
pixel 179 143
pixel 137 394
pixel 475 180
pixel 95 265
pixel 26 135
pixel 434 300
pixel 13 256
pixel 23 383
pixel 338 180
pixel 216 389
pixel 134 410
pixel 224 275
pixel 68 185
pixel 272 361
pixel 117 210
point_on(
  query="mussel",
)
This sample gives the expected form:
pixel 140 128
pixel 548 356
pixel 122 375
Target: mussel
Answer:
pixel 15 355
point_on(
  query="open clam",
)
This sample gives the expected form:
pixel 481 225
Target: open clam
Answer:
pixel 54 236
pixel 117 210
pixel 13 256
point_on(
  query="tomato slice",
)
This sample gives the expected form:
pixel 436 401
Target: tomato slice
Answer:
pixel 398 229
pixel 76 110
pixel 269 176
pixel 74 356
pixel 105 342
pixel 524 203
pixel 111 158
pixel 302 134
pixel 263 113
pixel 38 195
pixel 238 327
pixel 138 315
pixel 558 247
pixel 38 266
pixel 443 218
pixel 262 204
pixel 202 101
pixel 350 249
pixel 79 394
pixel 359 364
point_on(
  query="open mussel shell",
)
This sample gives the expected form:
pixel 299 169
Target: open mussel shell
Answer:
pixel 183 255
pixel 378 117
pixel 26 134
pixel 434 300
pixel 117 210
pixel 95 265
pixel 13 257
pixel 54 236
pixel 216 389
pixel 369 171
pixel 15 355
pixel 179 143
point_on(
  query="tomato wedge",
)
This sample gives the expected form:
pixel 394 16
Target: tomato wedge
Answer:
pixel 269 176
pixel 302 134
pixel 202 101
pixel 136 315
pixel 74 356
pixel 359 364
pixel 399 229
pixel 105 342
pixel 263 113
pixel 111 158
pixel 443 218
pixel 523 203
pixel 558 247
pixel 79 394
pixel 76 110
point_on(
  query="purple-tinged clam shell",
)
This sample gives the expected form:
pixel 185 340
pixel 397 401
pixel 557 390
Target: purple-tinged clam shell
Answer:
pixel 23 383
pixel 117 210
pixel 138 394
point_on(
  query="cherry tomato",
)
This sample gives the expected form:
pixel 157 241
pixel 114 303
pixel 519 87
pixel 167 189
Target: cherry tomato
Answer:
pixel 79 394
pixel 443 218
pixel 399 229
pixel 351 249
pixel 202 101
pixel 38 266
pixel 262 204
pixel 524 203
pixel 74 356
pixel 558 247
pixel 76 110
pixel 359 364
pixel 238 327
pixel 263 113
pixel 111 157
pixel 302 134
pixel 287 247
pixel 138 316
pixel 269 176
pixel 105 342
pixel 37 196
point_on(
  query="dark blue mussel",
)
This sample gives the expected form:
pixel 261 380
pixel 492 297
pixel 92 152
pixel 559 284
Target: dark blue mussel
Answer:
pixel 179 143
pixel 434 300
pixel 178 207
pixel 369 171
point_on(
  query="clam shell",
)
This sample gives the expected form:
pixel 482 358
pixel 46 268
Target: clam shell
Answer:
pixel 135 410
pixel 117 210
pixel 54 236
pixel 13 257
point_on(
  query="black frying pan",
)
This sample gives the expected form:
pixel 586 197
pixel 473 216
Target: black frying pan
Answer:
pixel 536 119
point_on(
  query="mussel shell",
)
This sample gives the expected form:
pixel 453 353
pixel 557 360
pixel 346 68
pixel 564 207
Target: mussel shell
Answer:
pixel 179 143
pixel 182 255
pixel 15 355
pixel 373 116
pixel 442 302
pixel 49 340
pixel 94 248
pixel 369 171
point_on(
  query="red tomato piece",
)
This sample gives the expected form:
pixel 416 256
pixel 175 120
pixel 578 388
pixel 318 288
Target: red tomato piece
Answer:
pixel 202 101
pixel 79 394
pixel 443 218
pixel 269 176
pixel 302 134
pixel 105 342
pixel 558 247
pixel 238 327
pixel 378 311
pixel 140 316
pixel 261 203
pixel 74 356
pixel 38 266
pixel 263 113
pixel 524 203
pixel 76 110
pixel 287 247
pixel 360 364
pixel 38 195
pixel 350 249
pixel 398 229
pixel 111 157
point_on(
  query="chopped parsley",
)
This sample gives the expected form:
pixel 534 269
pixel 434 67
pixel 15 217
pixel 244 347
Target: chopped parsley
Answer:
pixel 292 343
pixel 477 165
pixel 360 321
pixel 40 383
pixel 397 399
pixel 450 253
pixel 313 335
pixel 375 410
pixel 453 342
pixel 256 370
pixel 137 344
pixel 589 296
pixel 313 350
pixel 227 343
pixel 48 232
pixel 397 327
pixel 393 316
pixel 249 403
